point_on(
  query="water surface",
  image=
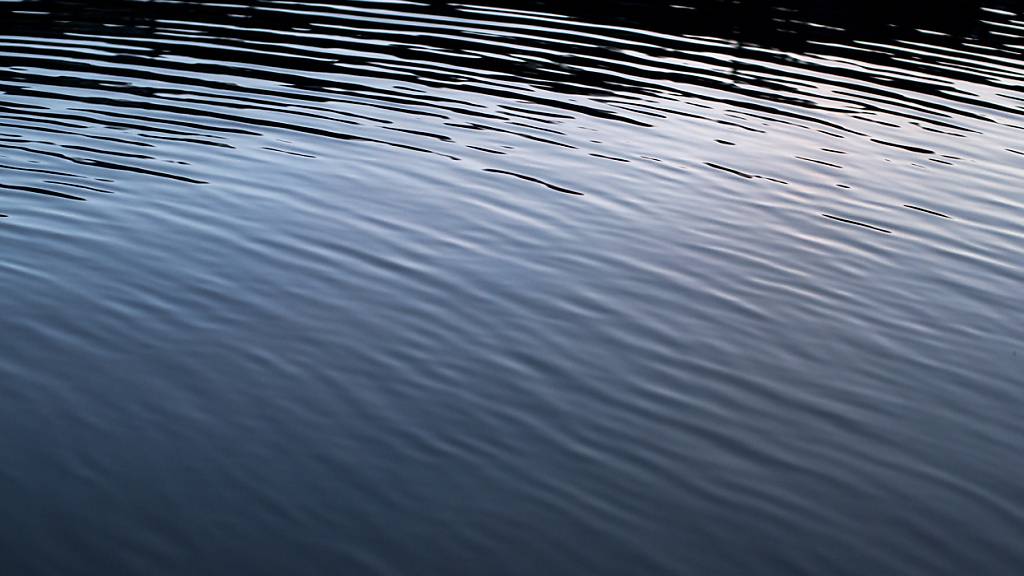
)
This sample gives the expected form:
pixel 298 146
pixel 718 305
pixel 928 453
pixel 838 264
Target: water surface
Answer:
pixel 511 287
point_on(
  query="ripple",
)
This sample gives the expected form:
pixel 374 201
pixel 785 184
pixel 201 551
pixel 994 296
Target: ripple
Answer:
pixel 603 288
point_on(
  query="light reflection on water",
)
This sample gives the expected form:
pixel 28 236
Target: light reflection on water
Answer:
pixel 511 287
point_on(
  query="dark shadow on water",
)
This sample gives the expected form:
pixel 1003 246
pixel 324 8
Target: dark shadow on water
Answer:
pixel 761 23
pixel 791 26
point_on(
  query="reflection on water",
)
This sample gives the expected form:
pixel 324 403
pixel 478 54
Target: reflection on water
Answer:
pixel 511 287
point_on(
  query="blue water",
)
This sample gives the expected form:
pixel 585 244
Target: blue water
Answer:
pixel 511 287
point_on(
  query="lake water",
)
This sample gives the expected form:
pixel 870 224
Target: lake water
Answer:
pixel 524 288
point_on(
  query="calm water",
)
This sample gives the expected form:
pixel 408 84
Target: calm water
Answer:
pixel 525 288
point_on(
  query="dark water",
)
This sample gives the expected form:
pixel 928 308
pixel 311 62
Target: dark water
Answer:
pixel 510 287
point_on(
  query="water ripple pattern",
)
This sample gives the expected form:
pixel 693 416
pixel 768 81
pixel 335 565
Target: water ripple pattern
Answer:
pixel 512 287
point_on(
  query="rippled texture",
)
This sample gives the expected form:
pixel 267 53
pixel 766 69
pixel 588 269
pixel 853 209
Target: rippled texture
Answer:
pixel 512 288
